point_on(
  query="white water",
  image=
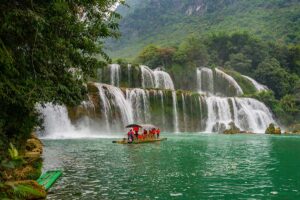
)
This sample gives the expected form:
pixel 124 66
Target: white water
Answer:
pixel 259 87
pixel 247 114
pixel 205 80
pixel 106 107
pixel 163 80
pixel 129 74
pixel 219 115
pixel 175 114
pixel 117 99
pixel 231 80
pixel 184 112
pixel 57 124
pixel 139 101
pixel 148 78
pixel 115 74
pixel 156 79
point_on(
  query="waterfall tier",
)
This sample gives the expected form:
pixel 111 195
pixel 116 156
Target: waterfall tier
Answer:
pixel 138 94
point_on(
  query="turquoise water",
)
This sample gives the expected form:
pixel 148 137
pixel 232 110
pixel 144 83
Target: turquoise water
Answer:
pixel 189 166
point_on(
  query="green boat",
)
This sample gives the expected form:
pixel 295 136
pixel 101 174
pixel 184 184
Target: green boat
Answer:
pixel 49 178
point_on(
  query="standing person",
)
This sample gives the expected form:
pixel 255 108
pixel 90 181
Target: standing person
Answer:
pixel 136 132
pixel 129 136
pixel 157 133
pixel 145 133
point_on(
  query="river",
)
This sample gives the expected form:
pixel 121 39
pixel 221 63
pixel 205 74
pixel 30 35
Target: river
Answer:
pixel 186 166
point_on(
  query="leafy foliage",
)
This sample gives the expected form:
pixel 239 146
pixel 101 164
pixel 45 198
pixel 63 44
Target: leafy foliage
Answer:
pixel 167 22
pixel 42 43
pixel 273 65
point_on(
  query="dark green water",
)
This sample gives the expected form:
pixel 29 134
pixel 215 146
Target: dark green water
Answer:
pixel 183 167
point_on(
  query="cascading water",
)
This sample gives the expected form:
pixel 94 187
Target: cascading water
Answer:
pixel 205 80
pixel 259 87
pixel 230 80
pixel 163 80
pixel 106 108
pixel 184 112
pixel 148 78
pixel 156 79
pixel 175 114
pixel 117 100
pixel 115 74
pixel 250 114
pixel 219 115
pixel 247 114
pixel 110 108
pixel 139 101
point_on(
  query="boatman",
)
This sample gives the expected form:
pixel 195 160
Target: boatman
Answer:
pixel 157 133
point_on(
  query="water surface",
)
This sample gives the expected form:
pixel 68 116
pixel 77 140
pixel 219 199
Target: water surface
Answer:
pixel 186 166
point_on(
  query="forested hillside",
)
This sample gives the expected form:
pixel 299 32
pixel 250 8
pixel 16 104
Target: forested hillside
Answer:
pixel 150 21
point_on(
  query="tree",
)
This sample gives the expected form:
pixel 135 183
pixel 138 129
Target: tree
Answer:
pixel 155 56
pixel 40 41
pixel 239 62
pixel 270 73
pixel 192 51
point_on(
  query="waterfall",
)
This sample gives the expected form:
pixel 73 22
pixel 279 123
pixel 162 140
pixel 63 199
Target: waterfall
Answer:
pixel 219 115
pixel 184 112
pixel 156 79
pixel 259 87
pixel 139 101
pixel 247 114
pixel 117 100
pixel 147 77
pixel 251 114
pixel 163 80
pixel 115 74
pixel 56 120
pixel 129 74
pixel 175 114
pixel 231 80
pixel 162 106
pixel 106 107
pixel 205 80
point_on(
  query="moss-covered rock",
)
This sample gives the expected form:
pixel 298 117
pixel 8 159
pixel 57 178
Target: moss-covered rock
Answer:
pixel 18 180
pixel 26 189
pixel 273 130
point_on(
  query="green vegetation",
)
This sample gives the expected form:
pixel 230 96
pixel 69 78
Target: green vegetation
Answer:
pixel 167 22
pixel 47 52
pixel 273 65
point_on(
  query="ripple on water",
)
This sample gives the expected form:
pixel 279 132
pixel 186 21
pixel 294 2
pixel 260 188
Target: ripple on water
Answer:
pixel 193 166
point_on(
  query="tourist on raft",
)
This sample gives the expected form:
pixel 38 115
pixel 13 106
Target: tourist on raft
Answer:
pixel 145 134
pixel 130 136
pixel 136 132
pixel 157 133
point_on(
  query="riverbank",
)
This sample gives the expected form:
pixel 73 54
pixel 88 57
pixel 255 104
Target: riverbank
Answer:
pixel 20 170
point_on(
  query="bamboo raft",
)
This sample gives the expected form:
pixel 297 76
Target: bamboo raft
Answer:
pixel 125 141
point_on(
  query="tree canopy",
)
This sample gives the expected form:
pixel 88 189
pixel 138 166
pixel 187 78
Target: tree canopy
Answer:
pixel 42 45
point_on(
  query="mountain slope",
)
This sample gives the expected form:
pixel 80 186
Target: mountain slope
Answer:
pixel 167 22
